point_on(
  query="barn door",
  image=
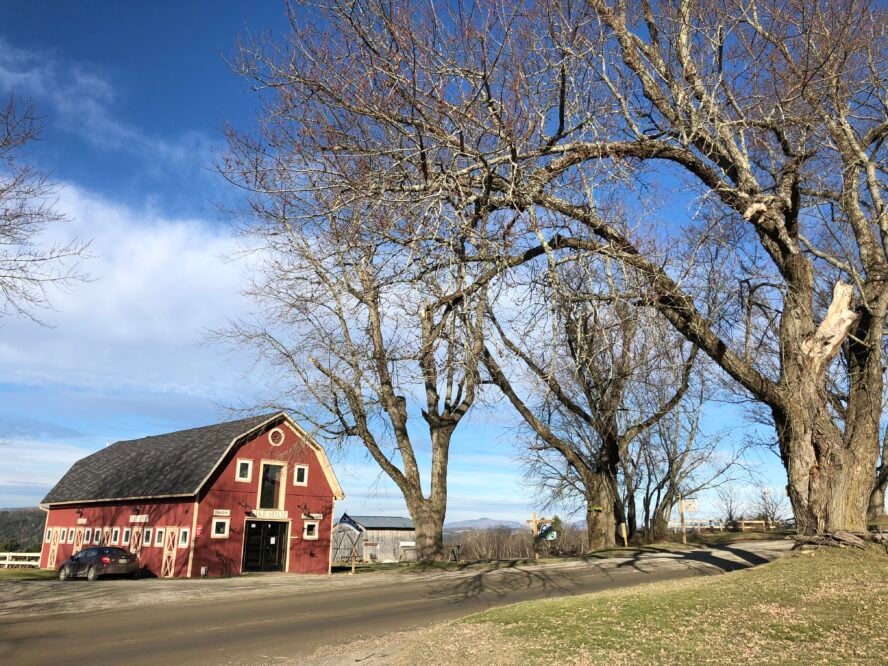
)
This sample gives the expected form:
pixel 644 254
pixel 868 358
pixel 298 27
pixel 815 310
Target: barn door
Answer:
pixel 170 538
pixel 136 541
pixel 53 548
pixel 106 536
pixel 78 541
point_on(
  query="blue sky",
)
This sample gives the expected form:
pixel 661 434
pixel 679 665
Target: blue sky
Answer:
pixel 134 97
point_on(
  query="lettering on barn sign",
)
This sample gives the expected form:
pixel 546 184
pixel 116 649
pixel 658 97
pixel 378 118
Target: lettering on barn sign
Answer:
pixel 81 521
pixel 269 514
pixel 224 513
pixel 139 518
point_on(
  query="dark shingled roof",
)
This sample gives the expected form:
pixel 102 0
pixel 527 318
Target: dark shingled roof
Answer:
pixel 379 522
pixel 158 466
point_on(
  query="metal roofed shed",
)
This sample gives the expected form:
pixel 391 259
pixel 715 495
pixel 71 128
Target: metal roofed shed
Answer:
pixel 374 539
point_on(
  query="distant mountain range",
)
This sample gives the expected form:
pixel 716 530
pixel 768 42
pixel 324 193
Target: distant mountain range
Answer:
pixel 482 524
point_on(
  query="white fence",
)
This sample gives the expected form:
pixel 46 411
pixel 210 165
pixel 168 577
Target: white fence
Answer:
pixel 19 560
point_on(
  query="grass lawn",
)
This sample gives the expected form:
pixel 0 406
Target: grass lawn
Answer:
pixel 27 574
pixel 823 606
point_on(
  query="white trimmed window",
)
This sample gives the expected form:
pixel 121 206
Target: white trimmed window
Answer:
pixel 48 536
pixel 300 475
pixel 115 536
pixel 220 528
pixel 127 534
pixel 244 470
pixel 71 535
pixel 63 535
pixel 276 437
pixel 183 537
pixel 97 536
pixel 310 530
pixel 146 536
pixel 87 535
pixel 158 537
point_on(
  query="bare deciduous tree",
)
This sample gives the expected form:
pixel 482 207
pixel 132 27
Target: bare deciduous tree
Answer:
pixel 354 325
pixel 591 363
pixel 729 504
pixel 769 505
pixel 527 117
pixel 27 270
pixel 675 458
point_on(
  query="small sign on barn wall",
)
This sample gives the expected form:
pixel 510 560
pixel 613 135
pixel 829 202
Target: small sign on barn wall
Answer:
pixel 269 514
pixel 222 512
pixel 139 518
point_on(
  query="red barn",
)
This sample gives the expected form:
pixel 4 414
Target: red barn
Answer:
pixel 255 494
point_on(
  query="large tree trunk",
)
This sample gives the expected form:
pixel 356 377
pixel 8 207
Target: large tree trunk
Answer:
pixel 829 483
pixel 601 523
pixel 428 521
pixel 829 471
pixel 660 524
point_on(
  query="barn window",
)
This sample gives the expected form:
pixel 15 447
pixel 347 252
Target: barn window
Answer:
pixel 220 528
pixel 87 535
pixel 115 536
pixel 276 437
pixel 127 534
pixel 146 536
pixel 270 490
pixel 310 530
pixel 97 536
pixel 158 539
pixel 63 535
pixel 48 537
pixel 300 475
pixel 71 535
pixel 183 537
pixel 244 470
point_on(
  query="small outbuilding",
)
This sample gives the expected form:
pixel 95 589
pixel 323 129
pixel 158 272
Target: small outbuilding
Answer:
pixel 255 494
pixel 374 539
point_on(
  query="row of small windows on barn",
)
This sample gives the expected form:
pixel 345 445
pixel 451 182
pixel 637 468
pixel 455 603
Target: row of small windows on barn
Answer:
pixel 124 537
pixel 245 472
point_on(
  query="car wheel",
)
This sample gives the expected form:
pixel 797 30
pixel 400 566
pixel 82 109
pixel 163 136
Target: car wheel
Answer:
pixel 92 574
pixel 137 574
pixel 64 574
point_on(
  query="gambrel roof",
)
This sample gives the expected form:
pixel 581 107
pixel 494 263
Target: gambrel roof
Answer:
pixel 378 522
pixel 176 464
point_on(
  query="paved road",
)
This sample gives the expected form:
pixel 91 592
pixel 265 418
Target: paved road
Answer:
pixel 289 623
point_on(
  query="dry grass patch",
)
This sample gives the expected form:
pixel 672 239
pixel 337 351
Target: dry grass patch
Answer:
pixel 28 574
pixel 826 606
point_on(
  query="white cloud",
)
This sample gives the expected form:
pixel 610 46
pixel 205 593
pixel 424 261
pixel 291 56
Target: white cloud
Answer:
pixel 158 284
pixel 83 99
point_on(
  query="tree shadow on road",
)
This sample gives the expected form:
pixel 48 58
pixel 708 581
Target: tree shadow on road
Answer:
pixel 505 581
pixel 525 582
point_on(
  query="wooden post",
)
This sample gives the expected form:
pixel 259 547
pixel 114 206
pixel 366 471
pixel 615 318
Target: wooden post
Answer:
pixel 681 515
pixel 534 531
pixel 624 534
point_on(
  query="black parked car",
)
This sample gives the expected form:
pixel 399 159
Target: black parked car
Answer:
pixel 101 561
